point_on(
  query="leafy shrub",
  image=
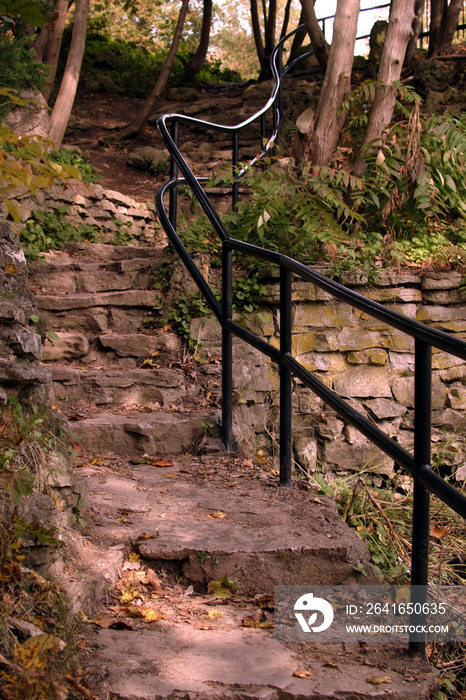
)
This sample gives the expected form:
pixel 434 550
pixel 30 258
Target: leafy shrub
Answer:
pixel 45 231
pixel 88 172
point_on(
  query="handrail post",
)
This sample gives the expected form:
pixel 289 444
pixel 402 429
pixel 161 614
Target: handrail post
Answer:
pixel 280 87
pixel 235 160
pixel 263 138
pixel 421 495
pixel 227 348
pixel 173 201
pixel 285 378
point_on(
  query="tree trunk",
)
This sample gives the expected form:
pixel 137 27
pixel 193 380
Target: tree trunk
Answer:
pixel 286 19
pixel 41 43
pixel 443 23
pixel 64 103
pixel 135 127
pixel 197 61
pixel 316 35
pixel 270 22
pixel 52 52
pixel 321 140
pixel 398 34
pixel 417 26
pixel 297 40
pixel 256 30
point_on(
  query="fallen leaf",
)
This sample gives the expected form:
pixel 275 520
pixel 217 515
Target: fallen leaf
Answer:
pixel 223 588
pixel 106 623
pixel 214 614
pixel 378 680
pixel 161 463
pixel 257 621
pixel 301 673
pixel 129 594
pixel 10 269
pixel 171 476
pixel 331 664
pixel 145 536
pixel 153 581
pixel 217 514
pixel 439 532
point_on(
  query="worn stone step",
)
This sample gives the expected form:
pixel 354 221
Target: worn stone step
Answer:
pixel 201 519
pixel 141 433
pixel 119 312
pixel 120 387
pixel 175 660
pixel 215 519
pixel 73 346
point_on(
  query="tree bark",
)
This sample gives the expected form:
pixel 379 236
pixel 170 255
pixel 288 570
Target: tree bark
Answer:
pixel 416 27
pixel 443 24
pixel 297 40
pixel 256 30
pixel 135 127
pixel 64 103
pixel 321 140
pixel 316 35
pixel 41 43
pixel 196 61
pixel 52 52
pixel 286 19
pixel 398 34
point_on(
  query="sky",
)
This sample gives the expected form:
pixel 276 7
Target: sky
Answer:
pixel 326 8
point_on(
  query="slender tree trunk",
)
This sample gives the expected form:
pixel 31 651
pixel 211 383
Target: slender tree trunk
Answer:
pixel 417 26
pixel 297 40
pixel 64 103
pixel 269 30
pixel 286 19
pixel 52 52
pixel 443 24
pixel 256 30
pixel 398 34
pixel 197 61
pixel 135 127
pixel 41 43
pixel 316 35
pixel 321 139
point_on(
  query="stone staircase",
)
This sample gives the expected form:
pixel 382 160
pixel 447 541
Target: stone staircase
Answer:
pixel 168 512
pixel 117 384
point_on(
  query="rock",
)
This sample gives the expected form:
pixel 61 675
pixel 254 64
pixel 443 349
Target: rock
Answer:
pixel 381 409
pixel 147 158
pixel 363 382
pixel 138 345
pixel 376 43
pixel 31 119
pixel 132 297
pixel 403 391
pixel 432 74
pixel 68 346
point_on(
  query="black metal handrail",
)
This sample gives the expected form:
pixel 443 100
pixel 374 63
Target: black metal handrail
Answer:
pixel 417 464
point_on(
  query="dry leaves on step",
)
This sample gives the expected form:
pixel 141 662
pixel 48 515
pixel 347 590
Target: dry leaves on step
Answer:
pixel 378 680
pixel 260 620
pixel 214 614
pixel 301 673
pixel 219 514
pixel 35 653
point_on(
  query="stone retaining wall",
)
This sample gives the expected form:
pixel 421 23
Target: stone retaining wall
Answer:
pixel 56 495
pixel 367 363
pixel 92 205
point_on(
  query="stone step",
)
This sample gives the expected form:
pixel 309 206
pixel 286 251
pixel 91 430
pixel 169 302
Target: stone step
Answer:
pixel 73 346
pixel 123 311
pixel 142 433
pixel 113 387
pixel 218 520
pixel 201 519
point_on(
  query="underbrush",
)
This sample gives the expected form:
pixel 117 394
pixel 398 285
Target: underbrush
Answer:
pixel 382 517
pixel 38 644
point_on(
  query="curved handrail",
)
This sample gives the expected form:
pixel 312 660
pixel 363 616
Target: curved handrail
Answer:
pixel 417 464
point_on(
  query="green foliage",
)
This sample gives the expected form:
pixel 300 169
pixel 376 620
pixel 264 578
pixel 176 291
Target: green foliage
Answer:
pixel 182 313
pixel 246 292
pixel 19 70
pixel 87 171
pixel 45 231
pixel 121 66
pixel 213 71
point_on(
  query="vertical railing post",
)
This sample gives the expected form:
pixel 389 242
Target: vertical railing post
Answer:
pixel 280 88
pixel 421 495
pixel 173 201
pixel 263 137
pixel 235 160
pixel 285 378
pixel 227 349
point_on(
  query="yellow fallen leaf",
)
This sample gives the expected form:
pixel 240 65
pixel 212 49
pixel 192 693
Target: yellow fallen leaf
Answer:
pixel 217 514
pixel 214 614
pixel 439 532
pixel 128 595
pixel 378 680
pixel 331 664
pixel 301 673
pixel 33 654
pixel 145 536
pixel 150 615
pixel 10 269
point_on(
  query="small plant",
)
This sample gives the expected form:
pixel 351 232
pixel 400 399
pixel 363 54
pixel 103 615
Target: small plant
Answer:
pixel 182 313
pixel 73 158
pixel 45 231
